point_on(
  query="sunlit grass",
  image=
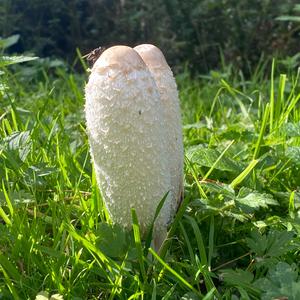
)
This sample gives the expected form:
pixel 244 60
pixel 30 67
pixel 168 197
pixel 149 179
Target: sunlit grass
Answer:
pixel 238 225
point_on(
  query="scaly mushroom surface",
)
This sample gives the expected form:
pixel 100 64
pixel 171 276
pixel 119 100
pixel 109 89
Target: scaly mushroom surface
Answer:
pixel 165 81
pixel 128 140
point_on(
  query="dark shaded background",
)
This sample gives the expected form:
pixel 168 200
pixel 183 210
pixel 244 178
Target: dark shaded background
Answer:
pixel 197 32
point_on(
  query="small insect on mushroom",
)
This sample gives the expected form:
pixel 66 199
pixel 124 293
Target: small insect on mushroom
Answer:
pixel 94 55
pixel 127 137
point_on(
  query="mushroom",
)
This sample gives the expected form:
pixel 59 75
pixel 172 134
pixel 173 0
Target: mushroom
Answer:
pixel 165 81
pixel 128 141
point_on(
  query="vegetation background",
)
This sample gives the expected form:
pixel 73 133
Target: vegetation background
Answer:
pixel 194 32
pixel 237 233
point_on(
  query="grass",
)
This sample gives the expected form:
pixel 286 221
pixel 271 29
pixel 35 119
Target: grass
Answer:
pixel 236 235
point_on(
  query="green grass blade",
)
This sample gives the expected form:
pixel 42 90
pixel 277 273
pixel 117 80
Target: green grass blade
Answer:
pixel 211 241
pixel 280 101
pixel 210 294
pixel 9 284
pixel 188 244
pixel 217 160
pixel 244 174
pixel 153 296
pixel 5 217
pixel 172 271
pixel 175 223
pixel 150 231
pixel 169 293
pixel 203 257
pixel 272 97
pixel 8 202
pixel 138 243
pixel 262 131
pixel 194 174
pixel 199 239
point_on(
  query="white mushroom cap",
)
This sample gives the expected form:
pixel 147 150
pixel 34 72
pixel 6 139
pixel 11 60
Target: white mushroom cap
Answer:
pixel 124 124
pixel 152 56
pixel 167 87
pixel 121 58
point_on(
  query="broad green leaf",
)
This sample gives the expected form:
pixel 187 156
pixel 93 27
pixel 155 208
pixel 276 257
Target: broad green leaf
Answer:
pixel 17 197
pixel 291 129
pixel 11 60
pixel 285 196
pixel 111 240
pixel 207 157
pixel 289 18
pixel 239 278
pixel 218 187
pixel 9 41
pixel 19 142
pixel 273 244
pixel 282 282
pixel 42 169
pixel 14 149
pixel 293 153
pixel 249 200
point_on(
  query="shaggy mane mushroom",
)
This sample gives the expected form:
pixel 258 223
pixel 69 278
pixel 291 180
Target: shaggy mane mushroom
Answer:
pixel 128 139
